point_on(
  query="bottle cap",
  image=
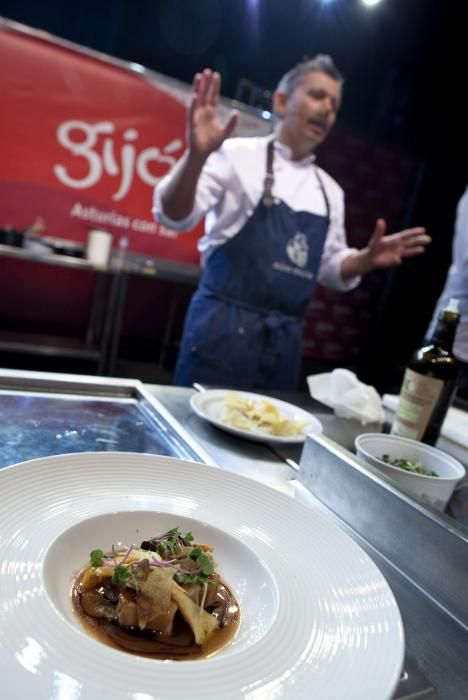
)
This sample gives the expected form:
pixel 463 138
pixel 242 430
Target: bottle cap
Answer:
pixel 453 306
pixel 450 311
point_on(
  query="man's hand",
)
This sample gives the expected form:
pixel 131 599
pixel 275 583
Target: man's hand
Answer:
pixel 205 134
pixel 205 131
pixel 385 251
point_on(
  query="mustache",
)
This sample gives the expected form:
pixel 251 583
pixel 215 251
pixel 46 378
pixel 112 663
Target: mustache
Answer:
pixel 320 119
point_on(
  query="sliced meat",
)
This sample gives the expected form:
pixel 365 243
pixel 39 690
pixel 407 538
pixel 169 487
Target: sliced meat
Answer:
pixel 96 604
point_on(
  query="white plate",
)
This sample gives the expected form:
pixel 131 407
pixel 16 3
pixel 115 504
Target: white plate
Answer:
pixel 319 620
pixel 209 405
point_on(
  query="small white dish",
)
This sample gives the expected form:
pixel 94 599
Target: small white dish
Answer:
pixel 436 491
pixel 453 435
pixel 318 618
pixel 209 405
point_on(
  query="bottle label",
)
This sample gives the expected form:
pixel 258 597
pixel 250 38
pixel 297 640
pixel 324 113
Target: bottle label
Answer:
pixel 418 397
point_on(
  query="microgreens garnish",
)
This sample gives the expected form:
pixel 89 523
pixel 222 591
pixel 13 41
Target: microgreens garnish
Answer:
pixel 120 574
pixel 183 579
pixel 168 541
pixel 96 557
pixel 202 560
pixel 166 544
pixel 205 569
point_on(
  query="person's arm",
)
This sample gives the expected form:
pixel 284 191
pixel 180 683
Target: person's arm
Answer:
pixel 384 251
pixel 205 134
pixel 178 197
pixel 460 236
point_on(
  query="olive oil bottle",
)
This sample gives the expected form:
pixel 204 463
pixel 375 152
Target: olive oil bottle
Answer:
pixel 429 383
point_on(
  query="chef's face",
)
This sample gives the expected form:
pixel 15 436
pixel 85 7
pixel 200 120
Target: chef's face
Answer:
pixel 309 112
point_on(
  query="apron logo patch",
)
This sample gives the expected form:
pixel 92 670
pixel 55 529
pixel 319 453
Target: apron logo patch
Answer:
pixel 297 249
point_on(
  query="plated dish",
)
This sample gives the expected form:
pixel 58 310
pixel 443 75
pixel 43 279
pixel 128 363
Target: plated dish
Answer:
pixel 254 416
pixel 318 619
pixel 161 599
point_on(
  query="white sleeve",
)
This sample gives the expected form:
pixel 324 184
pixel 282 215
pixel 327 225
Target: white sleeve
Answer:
pixel 210 189
pixel 460 238
pixel 336 249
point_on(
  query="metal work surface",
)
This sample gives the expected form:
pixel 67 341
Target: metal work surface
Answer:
pixel 47 414
pixel 265 463
pixel 414 549
pixel 251 459
pixel 423 555
pixel 134 263
pixel 392 522
pixel 436 634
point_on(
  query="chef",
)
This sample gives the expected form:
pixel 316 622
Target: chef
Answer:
pixel 274 226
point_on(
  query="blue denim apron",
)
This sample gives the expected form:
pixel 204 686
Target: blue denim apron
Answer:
pixel 244 323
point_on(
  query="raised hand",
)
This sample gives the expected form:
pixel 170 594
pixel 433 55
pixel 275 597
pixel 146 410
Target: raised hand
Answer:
pixel 387 251
pixel 205 131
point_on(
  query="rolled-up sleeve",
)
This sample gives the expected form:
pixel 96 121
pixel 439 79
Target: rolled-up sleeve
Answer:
pixel 336 249
pixel 210 189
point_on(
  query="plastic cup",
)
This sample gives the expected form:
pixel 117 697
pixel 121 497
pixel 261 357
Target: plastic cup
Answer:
pixel 99 247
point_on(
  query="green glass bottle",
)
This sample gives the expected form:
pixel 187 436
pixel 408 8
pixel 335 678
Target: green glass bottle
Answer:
pixel 429 383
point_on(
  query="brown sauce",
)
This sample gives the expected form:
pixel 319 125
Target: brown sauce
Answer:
pixel 124 639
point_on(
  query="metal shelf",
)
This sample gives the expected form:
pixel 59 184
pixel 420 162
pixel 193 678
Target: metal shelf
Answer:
pixel 48 345
pixel 101 344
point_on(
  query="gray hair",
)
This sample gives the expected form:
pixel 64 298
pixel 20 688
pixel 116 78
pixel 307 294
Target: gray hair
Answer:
pixel 321 62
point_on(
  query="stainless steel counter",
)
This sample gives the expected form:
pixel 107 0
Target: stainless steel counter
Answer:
pixel 265 463
pixel 251 459
pixel 44 414
pixel 422 556
pixel 436 633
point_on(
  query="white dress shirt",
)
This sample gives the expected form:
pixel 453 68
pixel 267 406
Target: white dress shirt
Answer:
pixel 456 284
pixel 231 185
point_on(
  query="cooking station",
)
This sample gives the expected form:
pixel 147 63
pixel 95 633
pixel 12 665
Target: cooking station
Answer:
pixel 103 333
pixel 422 554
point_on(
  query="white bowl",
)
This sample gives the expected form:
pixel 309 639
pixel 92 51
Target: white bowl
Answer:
pixel 434 490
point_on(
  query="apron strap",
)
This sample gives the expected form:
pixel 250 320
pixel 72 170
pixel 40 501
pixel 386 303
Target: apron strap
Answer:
pixel 269 181
pixel 324 192
pixel 268 199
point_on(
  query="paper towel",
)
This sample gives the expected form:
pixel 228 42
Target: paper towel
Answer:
pixel 349 397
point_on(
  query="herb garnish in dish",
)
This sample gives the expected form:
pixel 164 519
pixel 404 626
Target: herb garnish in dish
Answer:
pixel 163 598
pixel 407 465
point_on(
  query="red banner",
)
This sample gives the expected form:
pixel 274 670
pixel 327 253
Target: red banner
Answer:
pixel 84 140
